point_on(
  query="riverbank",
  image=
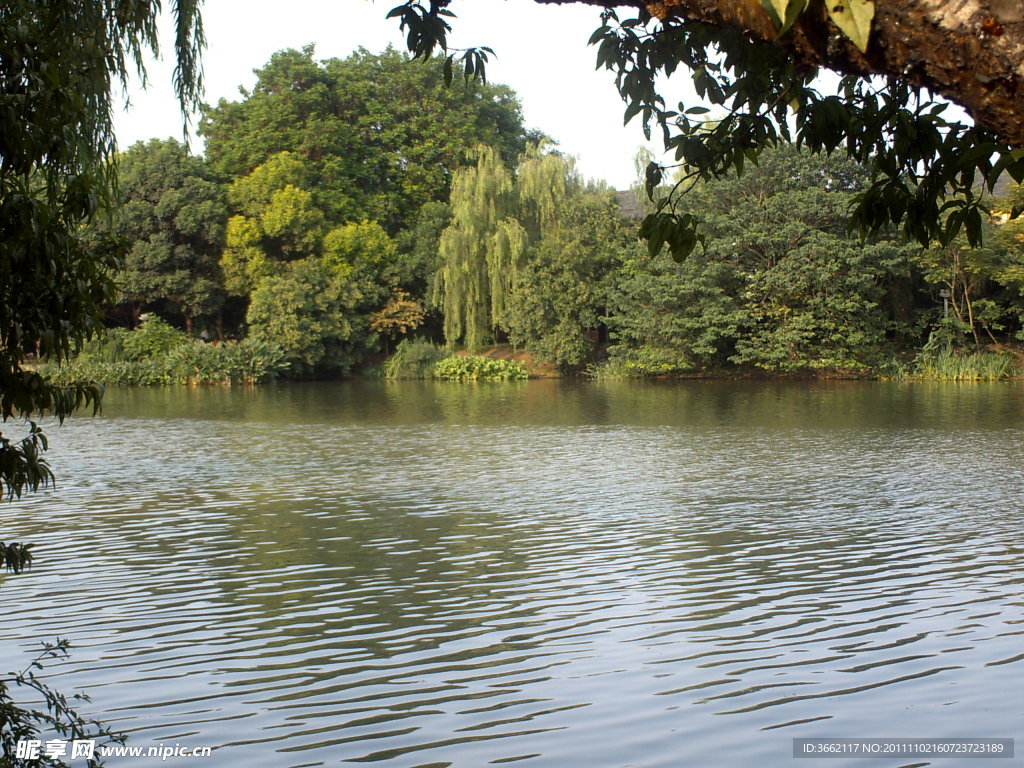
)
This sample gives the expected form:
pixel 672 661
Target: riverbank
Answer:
pixel 157 354
pixel 991 363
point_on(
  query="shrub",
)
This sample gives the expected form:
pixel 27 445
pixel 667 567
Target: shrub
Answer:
pixel 612 369
pixel 248 361
pixel 195 362
pixel 122 372
pixel 108 347
pixel 154 337
pixel 413 359
pixel 465 368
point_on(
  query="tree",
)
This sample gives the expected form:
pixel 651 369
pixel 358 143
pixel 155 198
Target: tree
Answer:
pixel 982 287
pixel 480 250
pixel 308 309
pixel 780 286
pixel 277 220
pixel 173 214
pixel 668 317
pixel 420 247
pixel 560 293
pixel 379 138
pixel 755 62
pixel 527 254
pixel 58 63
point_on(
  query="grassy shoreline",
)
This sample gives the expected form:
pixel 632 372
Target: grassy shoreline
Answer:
pixel 193 362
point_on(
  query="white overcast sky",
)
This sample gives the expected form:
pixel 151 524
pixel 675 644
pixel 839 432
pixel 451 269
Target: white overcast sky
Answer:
pixel 542 54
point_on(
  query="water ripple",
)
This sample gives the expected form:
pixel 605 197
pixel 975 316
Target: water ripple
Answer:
pixel 459 579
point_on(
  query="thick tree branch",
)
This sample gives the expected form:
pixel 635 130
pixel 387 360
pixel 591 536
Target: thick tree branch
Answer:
pixel 970 51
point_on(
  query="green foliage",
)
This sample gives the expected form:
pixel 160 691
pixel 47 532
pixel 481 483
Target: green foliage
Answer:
pixel 419 248
pixel 281 250
pixel 60 62
pixel 142 373
pixel 365 250
pixel 25 721
pixel 153 338
pixel 466 368
pixel 249 361
pixel 982 285
pixel 668 318
pixel 310 310
pixel 819 308
pixel 528 256
pixel 561 292
pixel 949 364
pixel 380 137
pixel 278 221
pixel 480 250
pixel 780 286
pixel 194 362
pixel 611 370
pixel 157 353
pixel 22 466
pixel 252 193
pixel 427 30
pixel 173 215
pixel 413 359
pixel 924 168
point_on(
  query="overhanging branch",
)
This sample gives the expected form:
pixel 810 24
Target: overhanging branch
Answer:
pixel 969 51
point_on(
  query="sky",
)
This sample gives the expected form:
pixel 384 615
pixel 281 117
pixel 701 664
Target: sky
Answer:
pixel 542 53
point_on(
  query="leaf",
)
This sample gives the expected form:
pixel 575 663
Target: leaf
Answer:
pixel 853 17
pixel 972 223
pixel 784 12
pixel 1016 171
pixel 771 7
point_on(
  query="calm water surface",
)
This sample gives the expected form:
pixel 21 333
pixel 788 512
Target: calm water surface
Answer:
pixel 545 574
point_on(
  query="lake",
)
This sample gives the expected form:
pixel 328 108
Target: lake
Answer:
pixel 548 573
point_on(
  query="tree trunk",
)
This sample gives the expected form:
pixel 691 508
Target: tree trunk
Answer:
pixel 970 51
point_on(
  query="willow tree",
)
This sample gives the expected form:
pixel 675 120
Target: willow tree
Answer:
pixel 480 250
pixel 577 238
pixel 58 64
pixel 545 181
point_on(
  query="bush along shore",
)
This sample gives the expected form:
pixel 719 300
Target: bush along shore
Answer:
pixel 156 353
pixel 420 359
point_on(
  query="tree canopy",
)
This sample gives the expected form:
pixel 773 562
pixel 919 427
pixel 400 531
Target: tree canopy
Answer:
pixel 781 286
pixel 173 215
pixel 379 138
